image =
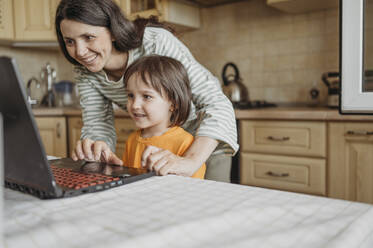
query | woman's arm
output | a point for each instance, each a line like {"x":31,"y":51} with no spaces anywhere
{"x":97,"y":115}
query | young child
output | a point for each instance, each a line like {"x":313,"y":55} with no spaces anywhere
{"x":159,"y":101}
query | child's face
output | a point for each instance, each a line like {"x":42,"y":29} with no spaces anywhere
{"x":150,"y":111}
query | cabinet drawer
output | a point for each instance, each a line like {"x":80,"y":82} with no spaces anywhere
{"x":306,"y":175}
{"x":284,"y":137}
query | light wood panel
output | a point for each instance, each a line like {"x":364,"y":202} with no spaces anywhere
{"x":297,"y":174}
{"x":350,"y":161}
{"x":35,"y":20}
{"x":123,"y":127}
{"x":75,"y":125}
{"x":302,"y":6}
{"x":284,"y":137}
{"x":53,"y":134}
{"x":6,"y":20}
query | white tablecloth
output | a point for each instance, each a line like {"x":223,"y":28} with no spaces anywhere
{"x":175,"y":211}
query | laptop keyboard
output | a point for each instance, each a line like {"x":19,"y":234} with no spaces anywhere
{"x":75,"y":180}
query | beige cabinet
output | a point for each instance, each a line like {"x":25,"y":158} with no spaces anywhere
{"x":350,"y":161}
{"x":28,"y":20}
{"x":285,"y":155}
{"x":6,"y":19}
{"x":123,"y":127}
{"x":177,"y":13}
{"x":298,"y":174}
{"x":74,"y":126}
{"x":53,"y":135}
{"x":34,"y":20}
{"x":302,"y":6}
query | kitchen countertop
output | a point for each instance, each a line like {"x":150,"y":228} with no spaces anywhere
{"x":46,"y":112}
{"x":274,"y":113}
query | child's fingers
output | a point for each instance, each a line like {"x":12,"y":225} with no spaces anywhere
{"x":160,"y":156}
{"x":158,"y":165}
{"x":146,"y":155}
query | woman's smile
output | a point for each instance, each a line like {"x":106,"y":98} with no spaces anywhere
{"x":88,"y":60}
{"x":91,"y":46}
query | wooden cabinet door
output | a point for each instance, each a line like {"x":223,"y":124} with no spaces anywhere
{"x":75,"y":125}
{"x":351,"y":161}
{"x":180,"y":15}
{"x":53,"y":134}
{"x":35,"y":20}
{"x":123,"y":127}
{"x":142,"y":8}
{"x":6,"y":19}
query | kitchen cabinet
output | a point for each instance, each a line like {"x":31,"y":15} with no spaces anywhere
{"x":179,"y":14}
{"x":34,"y":20}
{"x":6,"y":20}
{"x":285,"y":155}
{"x":123,"y":127}
{"x":302,"y":6}
{"x":53,"y":135}
{"x":350,"y":161}
{"x":74,"y":126}
{"x":27,"y":20}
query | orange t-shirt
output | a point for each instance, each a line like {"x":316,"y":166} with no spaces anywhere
{"x":176,"y":140}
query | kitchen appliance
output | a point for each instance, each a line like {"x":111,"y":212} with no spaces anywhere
{"x":333,"y":88}
{"x":64,"y":92}
{"x":233,"y":87}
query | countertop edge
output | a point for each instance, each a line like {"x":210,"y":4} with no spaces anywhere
{"x":275,"y":113}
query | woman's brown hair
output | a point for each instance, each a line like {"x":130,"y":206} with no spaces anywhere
{"x":104,"y":13}
{"x":169,"y":78}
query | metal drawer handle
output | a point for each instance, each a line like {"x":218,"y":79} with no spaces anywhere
{"x":274,"y":174}
{"x":359,"y":133}
{"x":278,"y":139}
{"x":58,"y":130}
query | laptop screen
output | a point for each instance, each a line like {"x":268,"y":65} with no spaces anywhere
{"x":1,"y":177}
{"x":25,"y":161}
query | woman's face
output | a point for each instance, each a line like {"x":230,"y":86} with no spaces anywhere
{"x":90,"y":45}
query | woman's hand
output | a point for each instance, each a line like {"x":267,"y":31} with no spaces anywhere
{"x":94,"y":151}
{"x":164,"y":162}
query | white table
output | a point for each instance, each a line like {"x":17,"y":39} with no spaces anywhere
{"x":173,"y":211}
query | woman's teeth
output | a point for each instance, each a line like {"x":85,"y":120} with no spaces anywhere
{"x":89,"y":59}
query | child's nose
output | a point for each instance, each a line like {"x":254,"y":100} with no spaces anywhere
{"x":136,"y":103}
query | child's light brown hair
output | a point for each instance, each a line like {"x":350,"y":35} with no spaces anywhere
{"x":169,"y":78}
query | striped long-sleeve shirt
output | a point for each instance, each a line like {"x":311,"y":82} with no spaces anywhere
{"x":211,"y":114}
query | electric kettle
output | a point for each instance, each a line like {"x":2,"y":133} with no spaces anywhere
{"x":233,"y":87}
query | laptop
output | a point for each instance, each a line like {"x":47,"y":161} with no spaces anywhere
{"x":27,"y":168}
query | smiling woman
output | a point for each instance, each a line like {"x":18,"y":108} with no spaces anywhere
{"x":95,"y":36}
{"x":91,"y":46}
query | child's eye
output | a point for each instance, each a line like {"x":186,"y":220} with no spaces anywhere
{"x":129,"y":95}
{"x":148,"y":97}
